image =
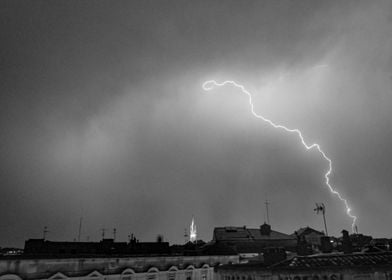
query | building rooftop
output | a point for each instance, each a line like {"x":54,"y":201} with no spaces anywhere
{"x":247,"y":234}
{"x":307,"y":230}
{"x":319,"y":262}
{"x":336,"y":260}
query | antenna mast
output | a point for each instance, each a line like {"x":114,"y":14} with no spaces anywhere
{"x":103,"y":233}
{"x":267,"y":211}
{"x":80,"y":228}
{"x":320,"y":207}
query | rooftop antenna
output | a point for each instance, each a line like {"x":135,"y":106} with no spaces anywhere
{"x":80,"y":228}
{"x":103,"y":230}
{"x":45,"y":231}
{"x":320,"y":207}
{"x":267,"y":211}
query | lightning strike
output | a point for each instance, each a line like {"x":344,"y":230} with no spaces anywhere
{"x":211,"y":84}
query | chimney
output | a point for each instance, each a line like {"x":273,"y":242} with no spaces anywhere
{"x":265,"y":229}
{"x":346,"y":243}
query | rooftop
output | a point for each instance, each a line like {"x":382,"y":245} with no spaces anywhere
{"x":247,"y":234}
{"x":308,"y":230}
{"x":337,"y":260}
{"x":325,"y":261}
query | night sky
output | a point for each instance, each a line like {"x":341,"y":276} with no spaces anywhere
{"x":103,"y":116}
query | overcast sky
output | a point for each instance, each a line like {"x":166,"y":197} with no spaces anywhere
{"x":102,"y":115}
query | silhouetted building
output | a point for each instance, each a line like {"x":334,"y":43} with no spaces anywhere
{"x":47,"y":260}
{"x":311,"y":236}
{"x":104,"y":247}
{"x":327,"y":244}
{"x":273,"y":255}
{"x":303,"y":247}
{"x":346,"y":243}
{"x":253,"y":240}
{"x":10,"y":251}
{"x":381,"y":243}
{"x":360,"y":241}
{"x":199,"y":248}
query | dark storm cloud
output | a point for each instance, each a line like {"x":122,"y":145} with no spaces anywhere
{"x":102,"y":115}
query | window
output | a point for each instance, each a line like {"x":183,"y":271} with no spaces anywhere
{"x":152,"y":273}
{"x":188,"y":275}
{"x":171,"y":275}
{"x":127,"y":274}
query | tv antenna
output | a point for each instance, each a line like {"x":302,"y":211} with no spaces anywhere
{"x":103,"y":230}
{"x":320,"y":208}
{"x":267,"y":211}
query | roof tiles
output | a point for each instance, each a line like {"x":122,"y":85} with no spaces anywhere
{"x":337,"y":261}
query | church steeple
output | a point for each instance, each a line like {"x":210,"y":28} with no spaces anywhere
{"x":193,"y":231}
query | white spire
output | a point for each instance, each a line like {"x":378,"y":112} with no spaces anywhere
{"x":193,"y":231}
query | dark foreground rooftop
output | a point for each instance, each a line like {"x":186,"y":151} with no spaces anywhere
{"x":317,"y":262}
{"x":338,"y":260}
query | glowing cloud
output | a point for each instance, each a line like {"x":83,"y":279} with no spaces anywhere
{"x":211,"y":84}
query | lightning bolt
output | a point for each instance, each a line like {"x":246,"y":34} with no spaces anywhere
{"x":211,"y":84}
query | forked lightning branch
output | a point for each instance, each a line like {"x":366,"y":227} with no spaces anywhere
{"x":211,"y":84}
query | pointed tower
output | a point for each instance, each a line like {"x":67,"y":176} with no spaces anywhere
{"x":193,"y":231}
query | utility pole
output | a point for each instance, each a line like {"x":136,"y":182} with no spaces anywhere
{"x":80,"y":228}
{"x":320,"y":207}
{"x":267,"y":211}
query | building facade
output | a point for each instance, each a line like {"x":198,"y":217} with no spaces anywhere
{"x":114,"y":268}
